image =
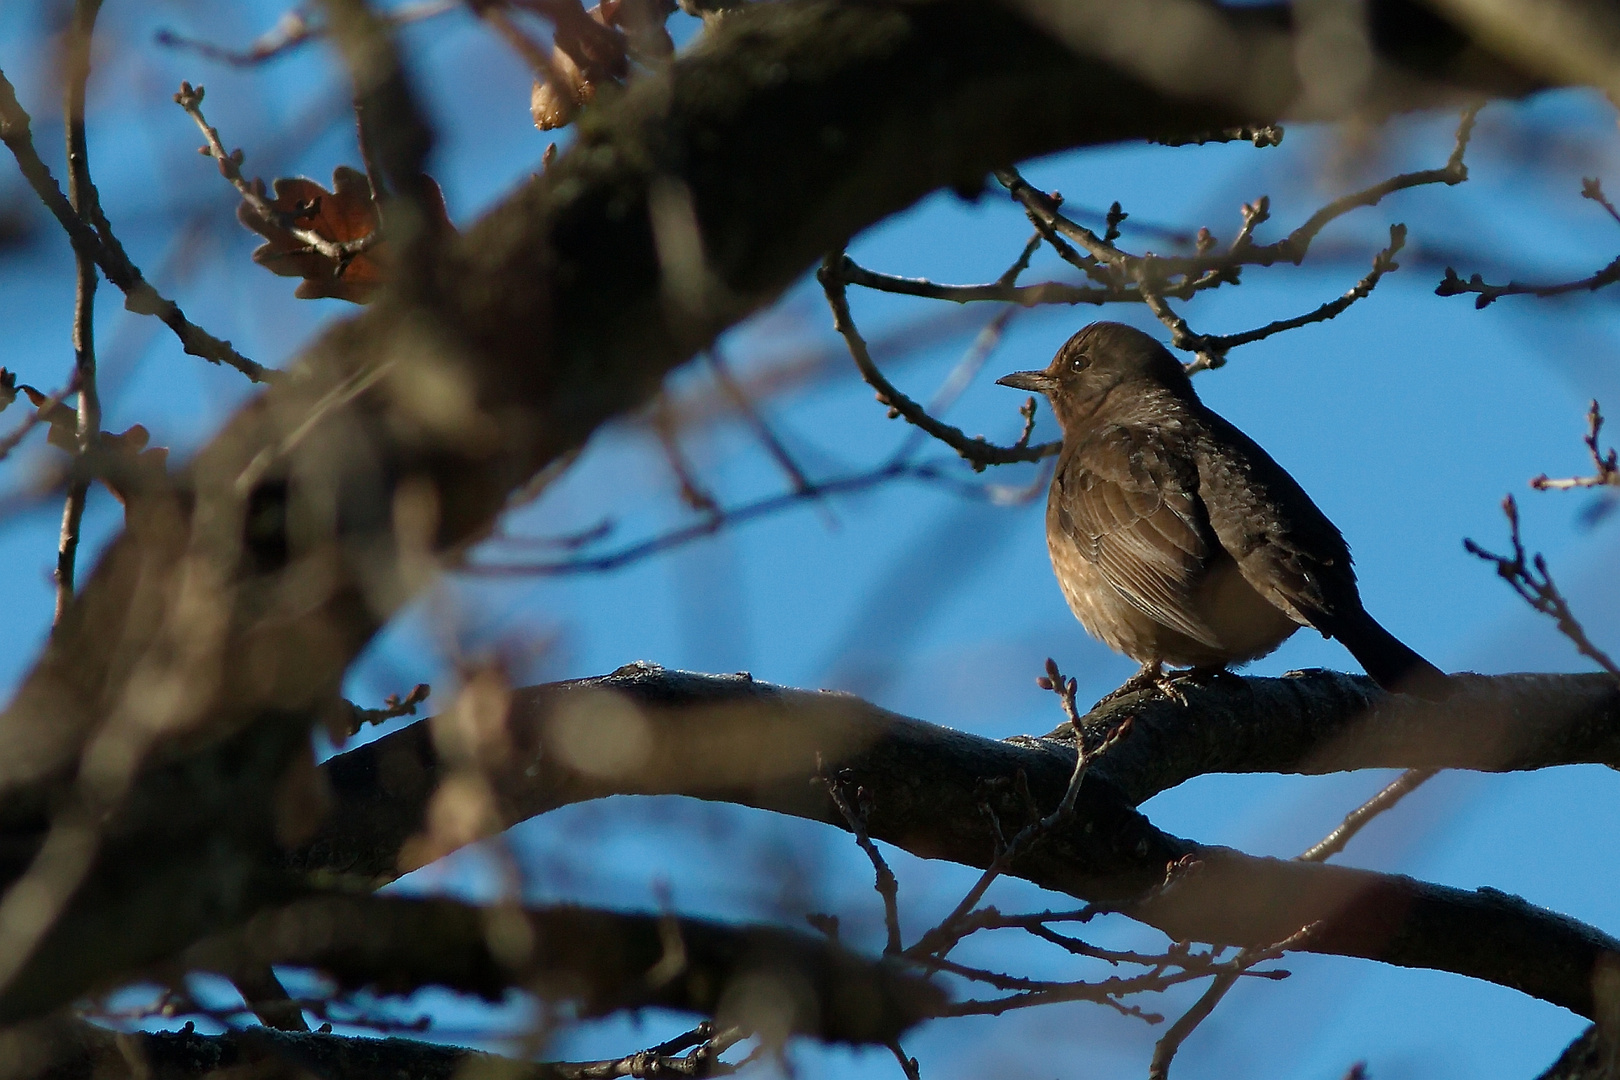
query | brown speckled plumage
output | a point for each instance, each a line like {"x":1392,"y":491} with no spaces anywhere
{"x":1176,"y":538}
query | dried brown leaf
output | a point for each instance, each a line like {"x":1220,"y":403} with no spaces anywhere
{"x":347,"y":214}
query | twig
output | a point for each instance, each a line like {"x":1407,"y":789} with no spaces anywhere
{"x":1212,"y":348}
{"x":139,"y":295}
{"x":957,"y":925}
{"x":908,"y":1065}
{"x":10,"y":442}
{"x":843,"y":485}
{"x":739,"y":397}
{"x":1164,"y":1051}
{"x":295,"y":28}
{"x":1357,"y":819}
{"x":1048,"y":292}
{"x":886,"y":885}
{"x":1608,"y":465}
{"x":693,"y":494}
{"x":1529,"y":578}
{"x":978,"y":451}
{"x":1487,"y":294}
{"x":81,"y":197}
{"x":1154,"y":279}
{"x":536,"y":55}
{"x":1107,"y":990}
{"x":384,"y":97}
{"x":1453,"y":285}
{"x":350,"y":717}
{"x":703,"y":1059}
{"x":190,"y":98}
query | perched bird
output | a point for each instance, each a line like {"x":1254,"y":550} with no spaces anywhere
{"x":1176,"y":539}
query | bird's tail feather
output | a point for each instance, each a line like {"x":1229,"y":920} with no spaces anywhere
{"x":1392,"y":664}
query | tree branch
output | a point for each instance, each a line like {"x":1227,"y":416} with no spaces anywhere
{"x":602,"y":961}
{"x":731,"y":739}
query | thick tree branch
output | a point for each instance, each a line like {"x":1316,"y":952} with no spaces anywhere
{"x":60,"y":1048}
{"x":649,"y":731}
{"x":602,"y":961}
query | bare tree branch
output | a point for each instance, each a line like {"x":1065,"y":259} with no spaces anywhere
{"x":599,"y":960}
{"x":736,"y":740}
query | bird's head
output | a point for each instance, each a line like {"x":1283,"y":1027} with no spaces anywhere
{"x":1099,"y":359}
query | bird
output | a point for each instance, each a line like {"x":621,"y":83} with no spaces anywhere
{"x":1176,"y":539}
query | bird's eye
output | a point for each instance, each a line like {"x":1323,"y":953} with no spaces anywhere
{"x":1079,"y":362}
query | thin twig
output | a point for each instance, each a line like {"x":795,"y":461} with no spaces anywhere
{"x":958,"y":924}
{"x":295,"y":28}
{"x":693,"y":494}
{"x":709,"y":525}
{"x":1608,"y":465}
{"x":739,"y":397}
{"x":1164,"y":1051}
{"x":97,"y":237}
{"x":1357,"y":819}
{"x":1048,"y":292}
{"x":1529,"y":577}
{"x":10,"y":442}
{"x":81,"y":198}
{"x":887,"y":887}
{"x":908,"y":1065}
{"x":1212,"y":348}
{"x":1106,"y":990}
{"x":1486,"y":294}
{"x":1154,"y":279}
{"x":978,"y":451}
{"x":190,"y":98}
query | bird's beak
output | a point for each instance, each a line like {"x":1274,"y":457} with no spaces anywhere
{"x":1038,"y":382}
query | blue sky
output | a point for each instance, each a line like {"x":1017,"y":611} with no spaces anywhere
{"x":1407,"y":419}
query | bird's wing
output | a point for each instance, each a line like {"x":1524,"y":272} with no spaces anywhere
{"x":1284,"y":545}
{"x":1130,"y":503}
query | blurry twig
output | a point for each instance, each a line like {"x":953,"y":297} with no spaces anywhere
{"x":293,"y":29}
{"x":96,"y":236}
{"x":894,"y":469}
{"x":81,"y":197}
{"x":10,"y":442}
{"x":393,"y":706}
{"x":1529,"y":578}
{"x":693,"y":494}
{"x":739,"y":397}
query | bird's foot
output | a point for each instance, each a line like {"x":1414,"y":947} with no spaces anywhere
{"x":1151,"y":677}
{"x":1170,"y":684}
